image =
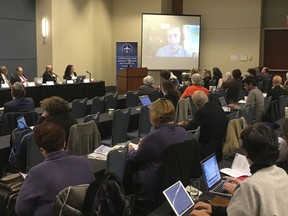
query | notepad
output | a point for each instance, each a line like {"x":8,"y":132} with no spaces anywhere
{"x":240,"y":167}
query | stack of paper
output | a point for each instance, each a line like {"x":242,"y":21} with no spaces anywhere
{"x":100,"y":153}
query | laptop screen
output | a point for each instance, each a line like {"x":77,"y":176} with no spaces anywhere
{"x":145,"y":100}
{"x":178,"y":198}
{"x":21,"y":122}
{"x":210,"y":171}
{"x":80,"y":78}
{"x":222,"y":101}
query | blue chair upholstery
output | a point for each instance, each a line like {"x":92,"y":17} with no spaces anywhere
{"x":110,"y":101}
{"x":79,"y":107}
{"x":34,"y":156}
{"x":132,"y":99}
{"x":283,"y":102}
{"x":98,"y":105}
{"x":94,"y":117}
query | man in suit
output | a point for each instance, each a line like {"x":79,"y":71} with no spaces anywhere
{"x":277,"y":90}
{"x":3,"y":75}
{"x":213,"y":124}
{"x":19,"y":102}
{"x":18,"y":76}
{"x":48,"y":75}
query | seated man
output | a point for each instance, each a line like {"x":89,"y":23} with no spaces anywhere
{"x":18,"y":76}
{"x":58,"y":171}
{"x":48,"y":75}
{"x":3,"y":76}
{"x":213,"y":122}
{"x":20,"y":103}
{"x":277,"y":90}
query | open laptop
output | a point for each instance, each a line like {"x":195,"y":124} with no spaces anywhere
{"x":178,"y":198}
{"x":21,"y":122}
{"x":212,"y":176}
{"x":145,"y":100}
{"x":80,"y":79}
{"x":223,"y":104}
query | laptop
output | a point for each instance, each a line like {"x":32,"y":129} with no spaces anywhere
{"x":223,"y":104}
{"x":80,"y":79}
{"x":178,"y":198}
{"x":145,"y":100}
{"x":38,"y":80}
{"x":212,"y":176}
{"x":21,"y":122}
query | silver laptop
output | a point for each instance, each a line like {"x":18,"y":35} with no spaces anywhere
{"x":212,"y":176}
{"x":38,"y":80}
{"x":80,"y":78}
{"x":223,"y":104}
{"x":178,"y":198}
{"x":145,"y":100}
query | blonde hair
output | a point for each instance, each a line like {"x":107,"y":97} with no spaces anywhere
{"x":162,"y":111}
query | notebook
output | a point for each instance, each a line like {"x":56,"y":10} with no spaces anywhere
{"x":145,"y":100}
{"x":80,"y":79}
{"x":212,"y":176}
{"x":178,"y":198}
{"x":21,"y":122}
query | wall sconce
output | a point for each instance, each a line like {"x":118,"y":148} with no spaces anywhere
{"x":45,"y":29}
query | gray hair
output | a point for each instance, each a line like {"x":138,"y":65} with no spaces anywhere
{"x":196,"y":79}
{"x":148,"y":80}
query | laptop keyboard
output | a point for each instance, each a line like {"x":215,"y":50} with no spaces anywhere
{"x":219,"y":188}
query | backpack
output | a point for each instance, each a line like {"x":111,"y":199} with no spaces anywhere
{"x":106,"y":198}
{"x":18,"y":154}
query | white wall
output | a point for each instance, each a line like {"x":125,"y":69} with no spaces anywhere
{"x":229,"y":27}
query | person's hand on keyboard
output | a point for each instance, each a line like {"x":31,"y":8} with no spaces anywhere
{"x":201,"y":209}
{"x":230,"y":184}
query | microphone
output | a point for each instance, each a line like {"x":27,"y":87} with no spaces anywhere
{"x":88,"y":72}
{"x":54,"y":74}
{"x":12,"y":75}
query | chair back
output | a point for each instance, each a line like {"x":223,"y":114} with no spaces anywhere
{"x":283,"y":102}
{"x":116,"y":162}
{"x":79,"y":108}
{"x":84,"y":138}
{"x":183,"y":110}
{"x":144,"y":121}
{"x":194,"y":134}
{"x":93,"y":117}
{"x":132,"y":99}
{"x":34,"y":156}
{"x":241,"y":94}
{"x":248,"y":113}
{"x":155,"y":95}
{"x":10,"y":120}
{"x":120,"y":125}
{"x":98,"y":105}
{"x":110,"y":101}
{"x":267,"y":101}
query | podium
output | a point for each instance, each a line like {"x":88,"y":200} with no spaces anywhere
{"x":129,"y":79}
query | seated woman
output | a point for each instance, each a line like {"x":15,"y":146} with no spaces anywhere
{"x":58,"y":171}
{"x":170,"y":92}
{"x":69,"y":73}
{"x":56,"y":109}
{"x":147,"y":88}
{"x":265,"y":192}
{"x":148,"y":158}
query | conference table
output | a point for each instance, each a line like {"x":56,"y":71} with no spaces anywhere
{"x":69,"y":92}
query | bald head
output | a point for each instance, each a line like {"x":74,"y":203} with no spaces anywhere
{"x":277,"y":81}
{"x":199,"y":98}
{"x":3,"y":70}
{"x":49,"y":68}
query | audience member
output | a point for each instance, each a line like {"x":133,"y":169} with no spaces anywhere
{"x":18,"y":77}
{"x":69,"y":73}
{"x":56,"y":109}
{"x":233,"y":86}
{"x":196,"y":85}
{"x":252,"y":72}
{"x":277,"y":89}
{"x":19,"y":102}
{"x":262,"y":193}
{"x":49,"y":75}
{"x":212,"y":121}
{"x":58,"y":171}
{"x":147,"y":88}
{"x":264,"y":80}
{"x":217,"y":75}
{"x":206,"y":78}
{"x":283,"y":150}
{"x":170,"y":92}
{"x":255,"y":97}
{"x":149,"y":157}
{"x":3,"y":77}
{"x":174,"y":48}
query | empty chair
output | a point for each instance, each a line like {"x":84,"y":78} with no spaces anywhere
{"x":98,"y":105}
{"x":283,"y":102}
{"x":110,"y":101}
{"x":155,"y":95}
{"x":116,"y":162}
{"x":267,"y":101}
{"x":119,"y":127}
{"x":93,"y":117}
{"x":79,"y":107}
{"x":84,"y":138}
{"x":10,"y":120}
{"x":132,"y":99}
{"x":194,"y":134}
{"x":34,"y":156}
{"x":248,"y":113}
{"x":144,"y":124}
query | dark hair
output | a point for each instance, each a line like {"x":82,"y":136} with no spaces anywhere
{"x":217,"y":74}
{"x":252,"y":71}
{"x":249,"y":80}
{"x":261,"y":144}
{"x":50,"y":136}
{"x":18,"y":90}
{"x":165,"y":74}
{"x":170,"y":88}
{"x":236,"y":74}
{"x":68,"y":70}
